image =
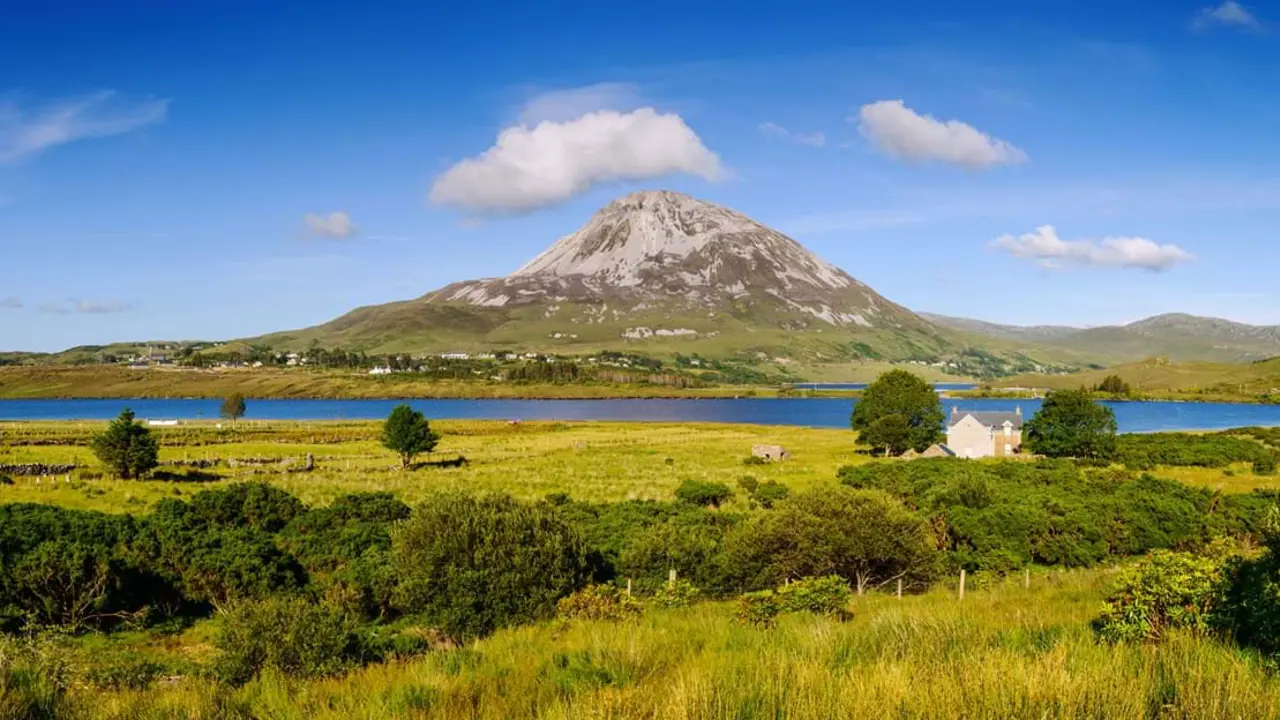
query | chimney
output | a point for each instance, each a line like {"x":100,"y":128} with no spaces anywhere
{"x":1017,"y":410}
{"x":955,"y":410}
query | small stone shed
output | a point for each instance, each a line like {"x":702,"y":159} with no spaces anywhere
{"x":770,"y":452}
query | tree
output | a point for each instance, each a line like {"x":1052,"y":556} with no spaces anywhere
{"x":1071,"y":424}
{"x":407,"y":432}
{"x":1115,"y":385}
{"x":126,"y":447}
{"x":233,"y":407}
{"x":901,"y":393}
{"x":890,"y":432}
{"x":867,"y":537}
{"x":470,"y":565}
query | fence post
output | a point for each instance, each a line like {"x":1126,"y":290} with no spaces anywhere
{"x":899,"y":588}
{"x":962,"y":583}
{"x":628,"y":587}
{"x":671,"y":577}
{"x":1026,"y":583}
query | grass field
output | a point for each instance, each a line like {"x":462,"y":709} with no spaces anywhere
{"x":1005,"y":651}
{"x":592,"y":461}
{"x":1160,"y":379}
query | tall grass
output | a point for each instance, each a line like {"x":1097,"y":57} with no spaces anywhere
{"x":1003,"y":652}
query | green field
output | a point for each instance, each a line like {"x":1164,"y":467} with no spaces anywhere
{"x":1005,"y":651}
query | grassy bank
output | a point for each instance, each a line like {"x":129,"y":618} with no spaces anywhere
{"x":1161,"y":379}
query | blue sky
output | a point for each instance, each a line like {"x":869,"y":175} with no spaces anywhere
{"x":223,"y":169}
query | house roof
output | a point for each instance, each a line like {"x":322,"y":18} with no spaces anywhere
{"x":988,"y":419}
{"x":937,"y":450}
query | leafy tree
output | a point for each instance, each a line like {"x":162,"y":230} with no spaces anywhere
{"x":901,"y":393}
{"x":865,"y":536}
{"x":471,"y":565}
{"x":233,"y":407}
{"x":891,"y":432}
{"x":407,"y":432}
{"x":126,"y":447}
{"x":1071,"y":424}
{"x":1115,"y":385}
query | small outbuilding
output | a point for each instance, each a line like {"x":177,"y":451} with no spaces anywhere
{"x":936,"y":451}
{"x":770,"y":452}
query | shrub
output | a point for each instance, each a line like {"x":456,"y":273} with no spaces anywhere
{"x":829,"y":595}
{"x":471,"y":565}
{"x":690,"y":549}
{"x":749,"y":484}
{"x":771,"y":492}
{"x":866,"y":537}
{"x":676,"y":594}
{"x":706,"y":494}
{"x":1265,"y":465}
{"x":288,"y":634}
{"x":126,"y":447}
{"x":1250,"y":603}
{"x":1164,"y":591}
{"x":754,"y":460}
{"x":5,"y":479}
{"x":598,"y":602}
{"x":1144,"y":451}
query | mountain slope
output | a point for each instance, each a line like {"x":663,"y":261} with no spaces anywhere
{"x":1175,"y":336}
{"x":656,"y":272}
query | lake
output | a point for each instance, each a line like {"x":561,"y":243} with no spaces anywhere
{"x":815,"y":412}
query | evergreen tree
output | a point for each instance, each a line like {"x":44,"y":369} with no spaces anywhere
{"x":126,"y":447}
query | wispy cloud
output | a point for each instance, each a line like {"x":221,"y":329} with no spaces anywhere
{"x":813,"y":139}
{"x":1228,"y":14}
{"x":12,"y":302}
{"x":571,"y":103}
{"x":335,"y":225}
{"x":533,"y":167}
{"x":77,"y":306}
{"x":27,"y":132}
{"x":1046,"y":248}
{"x":900,"y":132}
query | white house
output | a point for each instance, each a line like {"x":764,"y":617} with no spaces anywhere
{"x":984,"y":434}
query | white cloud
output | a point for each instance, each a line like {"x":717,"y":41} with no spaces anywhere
{"x":532,"y":167}
{"x":899,"y":131}
{"x":1045,"y":247}
{"x":86,"y":307}
{"x":1228,"y":14}
{"x":815,"y":139}
{"x":13,"y":302}
{"x":336,"y":225}
{"x":25,"y":133}
{"x":571,"y":103}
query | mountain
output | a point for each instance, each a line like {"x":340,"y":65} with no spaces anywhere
{"x":658,"y":272}
{"x":1175,"y":336}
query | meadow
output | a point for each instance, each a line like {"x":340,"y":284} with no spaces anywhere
{"x":1016,"y":646}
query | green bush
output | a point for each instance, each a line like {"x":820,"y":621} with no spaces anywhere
{"x":1265,"y":465}
{"x":288,"y":634}
{"x":676,"y":594}
{"x":1166,"y":590}
{"x":1070,"y":423}
{"x":470,"y":565}
{"x":770,"y":492}
{"x":865,"y":536}
{"x":1144,"y":451}
{"x":598,"y":602}
{"x":830,"y":595}
{"x":706,"y":494}
{"x":1250,"y":605}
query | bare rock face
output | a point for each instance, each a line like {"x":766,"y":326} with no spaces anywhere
{"x":660,"y":248}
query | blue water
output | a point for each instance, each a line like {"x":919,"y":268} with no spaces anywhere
{"x":940,"y":386}
{"x":815,"y":412}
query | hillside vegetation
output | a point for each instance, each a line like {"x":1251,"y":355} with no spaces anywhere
{"x":1160,"y":378}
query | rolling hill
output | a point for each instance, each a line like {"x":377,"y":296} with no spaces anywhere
{"x":1176,"y":336}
